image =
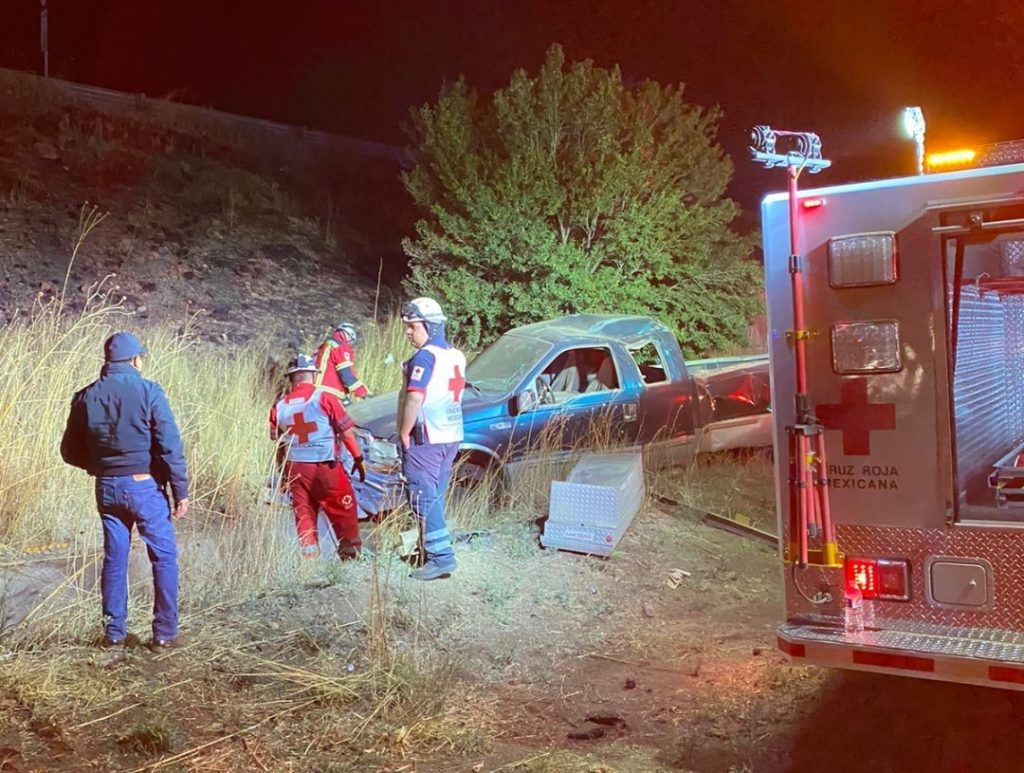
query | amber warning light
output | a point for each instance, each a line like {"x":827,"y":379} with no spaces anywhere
{"x":951,"y":158}
{"x":881,"y":578}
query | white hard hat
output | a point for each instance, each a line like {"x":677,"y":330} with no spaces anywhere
{"x":423,"y":310}
{"x":349,"y":330}
{"x":301,"y":363}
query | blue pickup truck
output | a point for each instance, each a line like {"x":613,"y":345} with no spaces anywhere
{"x":555,"y":382}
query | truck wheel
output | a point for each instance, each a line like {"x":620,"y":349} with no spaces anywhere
{"x":476,"y":473}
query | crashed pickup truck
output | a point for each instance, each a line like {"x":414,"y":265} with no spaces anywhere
{"x":560,"y":384}
{"x":737,"y":391}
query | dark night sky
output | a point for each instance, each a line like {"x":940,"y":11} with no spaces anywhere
{"x":841,"y":68}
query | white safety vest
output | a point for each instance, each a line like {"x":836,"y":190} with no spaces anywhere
{"x":305,"y":430}
{"x":441,"y":413}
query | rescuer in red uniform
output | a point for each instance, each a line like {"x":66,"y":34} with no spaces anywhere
{"x":336,"y":363}
{"x":309,"y":424}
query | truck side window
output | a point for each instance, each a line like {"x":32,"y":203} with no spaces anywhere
{"x":650,"y":362}
{"x":578,"y":371}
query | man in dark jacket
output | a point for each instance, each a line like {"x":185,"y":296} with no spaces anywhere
{"x":121,"y":431}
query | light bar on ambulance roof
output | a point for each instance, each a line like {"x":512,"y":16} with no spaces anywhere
{"x":862,"y":260}
{"x":866,"y":347}
{"x":951,"y":158}
{"x":996,"y":154}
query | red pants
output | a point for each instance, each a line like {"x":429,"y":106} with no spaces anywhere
{"x":315,"y":485}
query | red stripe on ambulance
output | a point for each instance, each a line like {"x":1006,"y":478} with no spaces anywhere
{"x":792,"y":649}
{"x":887,"y":660}
{"x":1006,"y":674}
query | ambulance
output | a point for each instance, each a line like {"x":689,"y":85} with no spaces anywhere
{"x":896,"y":336}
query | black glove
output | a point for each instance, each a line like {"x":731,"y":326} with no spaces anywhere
{"x":358,"y":465}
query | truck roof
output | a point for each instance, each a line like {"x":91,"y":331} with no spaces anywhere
{"x":624,"y":328}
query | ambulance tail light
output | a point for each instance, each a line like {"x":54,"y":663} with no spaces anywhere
{"x":879,"y":578}
{"x":866,"y":347}
{"x":862,"y":260}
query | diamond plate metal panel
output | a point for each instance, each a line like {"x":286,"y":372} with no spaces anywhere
{"x":984,"y":426}
{"x":1012,"y":254}
{"x":1014,"y":344}
{"x":602,"y":490}
{"x":1003,"y":548}
{"x":981,"y":643}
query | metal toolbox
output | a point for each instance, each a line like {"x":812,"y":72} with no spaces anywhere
{"x":593,"y":507}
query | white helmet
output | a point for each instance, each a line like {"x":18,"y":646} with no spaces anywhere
{"x":301,"y":363}
{"x":423,"y":310}
{"x":349,"y":331}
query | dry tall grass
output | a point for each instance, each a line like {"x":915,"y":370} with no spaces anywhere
{"x":233,"y":545}
{"x":367,"y":699}
{"x":232,"y":542}
{"x":380,"y":353}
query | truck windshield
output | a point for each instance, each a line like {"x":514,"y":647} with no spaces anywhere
{"x":502,"y":365}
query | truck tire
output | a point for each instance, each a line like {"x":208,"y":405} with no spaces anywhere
{"x":474,"y":470}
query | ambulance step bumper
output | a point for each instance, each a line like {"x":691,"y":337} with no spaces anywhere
{"x":987,"y":656}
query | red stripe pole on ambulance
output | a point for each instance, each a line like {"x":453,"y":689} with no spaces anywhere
{"x":809,"y":514}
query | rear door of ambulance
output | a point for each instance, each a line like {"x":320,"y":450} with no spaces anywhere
{"x":875,"y":265}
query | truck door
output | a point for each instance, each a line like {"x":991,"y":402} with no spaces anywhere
{"x":666,"y":406}
{"x":582,"y":402}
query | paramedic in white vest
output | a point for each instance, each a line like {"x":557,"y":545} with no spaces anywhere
{"x":309,"y":425}
{"x":430,"y":428}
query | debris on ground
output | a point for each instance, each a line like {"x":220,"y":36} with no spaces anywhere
{"x":740,"y":525}
{"x":675,"y":577}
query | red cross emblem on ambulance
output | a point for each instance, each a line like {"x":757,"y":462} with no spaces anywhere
{"x":856,"y":418}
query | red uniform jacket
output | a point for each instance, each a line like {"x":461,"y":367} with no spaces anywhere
{"x":336,"y":363}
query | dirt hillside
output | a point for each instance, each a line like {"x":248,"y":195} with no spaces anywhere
{"x":240,"y":247}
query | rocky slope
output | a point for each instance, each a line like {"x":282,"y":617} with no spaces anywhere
{"x":193,"y":232}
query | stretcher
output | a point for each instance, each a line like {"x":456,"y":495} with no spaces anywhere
{"x":1007,"y":478}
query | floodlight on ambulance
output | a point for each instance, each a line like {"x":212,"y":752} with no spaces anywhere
{"x":866,"y":347}
{"x":951,"y":159}
{"x":862,"y":260}
{"x":914,"y":127}
{"x":913,"y":122}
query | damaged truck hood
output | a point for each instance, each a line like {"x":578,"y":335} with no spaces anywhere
{"x":377,"y":414}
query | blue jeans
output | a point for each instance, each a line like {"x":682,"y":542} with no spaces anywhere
{"x":427,"y":469}
{"x":124,"y":502}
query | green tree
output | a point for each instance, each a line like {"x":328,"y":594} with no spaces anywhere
{"x":573,"y":192}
